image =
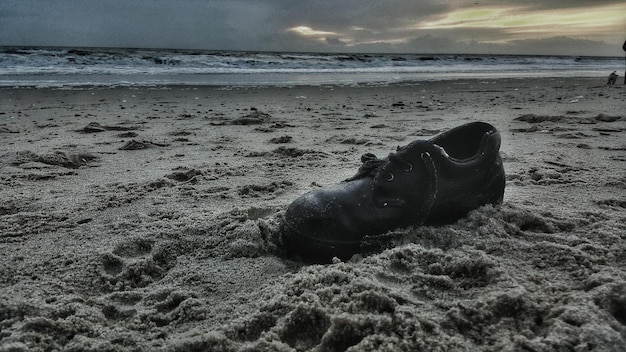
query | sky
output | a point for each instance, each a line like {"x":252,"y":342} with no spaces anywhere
{"x":545,"y":27}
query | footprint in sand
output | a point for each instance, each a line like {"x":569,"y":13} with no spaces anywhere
{"x":133,"y":249}
{"x":134,"y":264}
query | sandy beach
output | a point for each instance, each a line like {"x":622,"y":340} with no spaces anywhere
{"x":146,"y":219}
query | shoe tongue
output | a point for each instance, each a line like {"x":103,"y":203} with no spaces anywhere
{"x":370,"y":166}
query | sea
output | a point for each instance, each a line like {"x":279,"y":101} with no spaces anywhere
{"x":44,"y":67}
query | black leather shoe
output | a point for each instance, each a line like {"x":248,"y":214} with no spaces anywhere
{"x":430,"y":182}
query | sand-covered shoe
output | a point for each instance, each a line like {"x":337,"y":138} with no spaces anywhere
{"x":436,"y":181}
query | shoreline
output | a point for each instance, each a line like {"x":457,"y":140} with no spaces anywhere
{"x":157,"y":227}
{"x":275,"y":80}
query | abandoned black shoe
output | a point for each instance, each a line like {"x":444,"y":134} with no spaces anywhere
{"x":436,"y":181}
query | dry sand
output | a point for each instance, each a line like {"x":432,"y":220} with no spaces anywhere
{"x":146,"y":219}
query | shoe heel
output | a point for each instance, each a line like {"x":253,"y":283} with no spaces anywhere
{"x":493,"y":190}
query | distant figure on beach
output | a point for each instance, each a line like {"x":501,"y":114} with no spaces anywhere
{"x":612,"y":78}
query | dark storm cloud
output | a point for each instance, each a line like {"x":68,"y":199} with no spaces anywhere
{"x":196,"y":23}
{"x":331,"y":25}
{"x":133,"y":23}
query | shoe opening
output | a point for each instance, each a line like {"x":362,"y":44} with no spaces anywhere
{"x":464,"y":142}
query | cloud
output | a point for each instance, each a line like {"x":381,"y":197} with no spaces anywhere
{"x":335,"y":41}
{"x":310,"y":32}
{"x":515,"y":22}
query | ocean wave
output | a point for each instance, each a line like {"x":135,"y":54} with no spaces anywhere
{"x":148,"y":63}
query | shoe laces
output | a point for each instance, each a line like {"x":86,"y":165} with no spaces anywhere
{"x":372,"y":165}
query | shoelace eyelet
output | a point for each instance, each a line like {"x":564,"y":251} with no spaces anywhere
{"x":410,"y":168}
{"x":389,"y":177}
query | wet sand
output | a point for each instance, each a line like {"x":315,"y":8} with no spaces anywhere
{"x":141,"y":219}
